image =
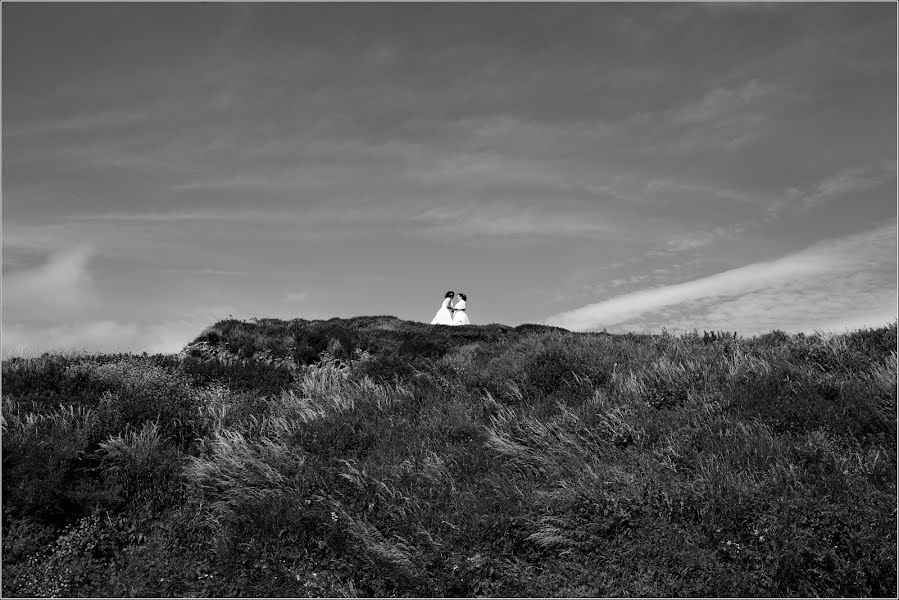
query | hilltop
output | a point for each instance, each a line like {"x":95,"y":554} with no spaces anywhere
{"x":374,"y":456}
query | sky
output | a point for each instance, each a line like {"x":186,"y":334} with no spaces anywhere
{"x":617,"y":166}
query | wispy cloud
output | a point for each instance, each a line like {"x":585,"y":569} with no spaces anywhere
{"x":256,"y":216}
{"x":724,"y":118}
{"x":24,"y":340}
{"x":694,"y":240}
{"x":509,"y":221}
{"x":672,"y":189}
{"x":101,"y":336}
{"x":842,"y":183}
{"x":207,"y":271}
{"x":295,"y":297}
{"x":314,"y":221}
{"x":79,"y":123}
{"x":846,"y":182}
{"x":799,"y":282}
{"x":718,"y":103}
{"x":60,"y":286}
{"x":839,"y":301}
{"x":17,"y":235}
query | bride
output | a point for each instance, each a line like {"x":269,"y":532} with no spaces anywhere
{"x":460,"y":317}
{"x":444,"y":316}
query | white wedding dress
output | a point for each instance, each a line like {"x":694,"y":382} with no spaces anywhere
{"x":460,"y":317}
{"x":444,"y":316}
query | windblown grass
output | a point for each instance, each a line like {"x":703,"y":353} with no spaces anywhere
{"x":375,"y":457}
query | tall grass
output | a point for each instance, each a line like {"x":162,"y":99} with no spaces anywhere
{"x":374,"y":457}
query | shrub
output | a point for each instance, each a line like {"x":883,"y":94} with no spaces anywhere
{"x":250,"y":376}
{"x":558,"y":369}
{"x":210,"y":335}
{"x":422,"y":345}
{"x":76,"y":564}
{"x":145,"y":393}
{"x":43,"y":454}
{"x":141,"y":465}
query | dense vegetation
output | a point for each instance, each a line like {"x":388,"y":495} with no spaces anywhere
{"x":377,"y":457}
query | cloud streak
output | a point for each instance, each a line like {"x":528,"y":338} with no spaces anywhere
{"x":719,"y":103}
{"x":821,"y":273}
{"x":101,"y":336}
{"x":508,"y":221}
{"x":295,"y":297}
{"x":847,"y":182}
{"x":843,"y":183}
{"x":239,"y":216}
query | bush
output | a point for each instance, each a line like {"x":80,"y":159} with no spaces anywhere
{"x":559,"y":369}
{"x":142,"y":465}
{"x":257,"y":377}
{"x":422,"y":345}
{"x":46,"y":460}
{"x":76,"y":564}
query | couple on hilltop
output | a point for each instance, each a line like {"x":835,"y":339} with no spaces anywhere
{"x":452,"y":314}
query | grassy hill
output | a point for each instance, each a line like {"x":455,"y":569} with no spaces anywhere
{"x":376,"y":457}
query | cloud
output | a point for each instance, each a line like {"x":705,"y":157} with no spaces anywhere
{"x":841,"y":183}
{"x":505,"y":221}
{"x":839,"y":302}
{"x":681,"y":191}
{"x":108,"y":336}
{"x":164,"y":337}
{"x":82,"y":122}
{"x":32,"y":237}
{"x":62,"y":285}
{"x":295,"y":297}
{"x":847,"y":278}
{"x":845,"y":182}
{"x":695,"y":239}
{"x":255,"y":216}
{"x":722,"y":118}
{"x":50,"y":236}
{"x":718,"y":103}
{"x":207,"y":271}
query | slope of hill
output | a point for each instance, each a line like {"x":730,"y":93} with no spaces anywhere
{"x":376,"y":457}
